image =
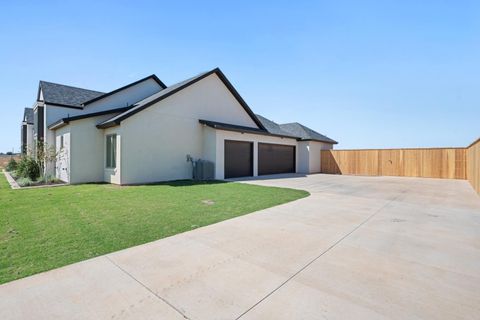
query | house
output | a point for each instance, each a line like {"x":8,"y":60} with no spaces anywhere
{"x":142,"y":133}
{"x":27,"y":131}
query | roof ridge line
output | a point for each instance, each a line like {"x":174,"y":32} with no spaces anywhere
{"x":66,"y":85}
{"x":129,"y":85}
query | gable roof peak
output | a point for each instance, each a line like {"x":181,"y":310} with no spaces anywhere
{"x":64,"y":85}
{"x":173,"y":89}
{"x":152,"y":76}
{"x":64,"y":95}
{"x":28,"y":115}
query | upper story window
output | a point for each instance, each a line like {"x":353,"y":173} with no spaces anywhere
{"x":39,"y":122}
{"x":111,"y":150}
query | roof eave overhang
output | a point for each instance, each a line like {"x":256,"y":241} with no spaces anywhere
{"x":217,"y":126}
{"x":108,"y":125}
{"x":58,"y":124}
{"x":103,"y":96}
{"x":60,"y":105}
{"x":318,"y":140}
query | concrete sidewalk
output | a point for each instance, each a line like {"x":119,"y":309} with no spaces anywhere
{"x":358,"y":247}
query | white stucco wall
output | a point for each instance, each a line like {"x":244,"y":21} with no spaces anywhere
{"x":118,"y":100}
{"x":209,"y":144}
{"x":125,"y":97}
{"x":315,"y":154}
{"x":86,"y":150}
{"x":54,"y":113}
{"x":29,"y":139}
{"x":303,"y":157}
{"x":309,"y":155}
{"x":155,"y":141}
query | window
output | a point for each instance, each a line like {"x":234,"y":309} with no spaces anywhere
{"x":111,"y":151}
{"x":61,"y":142}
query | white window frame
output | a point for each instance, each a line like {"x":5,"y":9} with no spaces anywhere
{"x":112,"y":164}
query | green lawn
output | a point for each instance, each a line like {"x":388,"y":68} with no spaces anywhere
{"x":42,"y":229}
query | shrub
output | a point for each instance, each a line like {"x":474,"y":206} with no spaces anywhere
{"x":28,"y":168}
{"x":12,"y":165}
{"x":25,"y":182}
{"x":32,"y":170}
{"x":22,"y":164}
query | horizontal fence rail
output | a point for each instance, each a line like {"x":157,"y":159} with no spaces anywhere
{"x":445,"y":163}
{"x":448,"y":163}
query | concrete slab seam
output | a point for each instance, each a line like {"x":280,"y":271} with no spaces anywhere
{"x":150,"y":290}
{"x":321,"y":254}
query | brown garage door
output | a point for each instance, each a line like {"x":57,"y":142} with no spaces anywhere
{"x":238,"y":159}
{"x":275,"y":158}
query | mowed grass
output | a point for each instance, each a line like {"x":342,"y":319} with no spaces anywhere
{"x":46,"y":228}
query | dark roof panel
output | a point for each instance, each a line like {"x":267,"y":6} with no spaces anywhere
{"x":305,"y":133}
{"x":64,"y":121}
{"x":63,"y":95}
{"x":28,"y":115}
{"x":242,"y":129}
{"x":153,"y":77}
{"x":273,"y":127}
{"x":296,"y":130}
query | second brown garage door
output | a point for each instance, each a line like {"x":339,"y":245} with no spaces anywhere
{"x":275,"y":158}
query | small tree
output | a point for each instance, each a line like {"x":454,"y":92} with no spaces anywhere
{"x":28,"y":168}
{"x":12,"y":165}
{"x":46,"y":154}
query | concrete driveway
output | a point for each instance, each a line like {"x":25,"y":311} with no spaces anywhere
{"x":357,"y":248}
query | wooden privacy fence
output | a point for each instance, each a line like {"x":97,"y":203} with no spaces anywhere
{"x":431,"y":163}
{"x":446,"y":163}
{"x":5,"y":159}
{"x":473,"y":164}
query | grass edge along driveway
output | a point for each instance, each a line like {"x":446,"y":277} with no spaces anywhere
{"x":46,"y":228}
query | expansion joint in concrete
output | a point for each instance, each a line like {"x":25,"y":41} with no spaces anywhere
{"x":321,"y":254}
{"x":147,"y":288}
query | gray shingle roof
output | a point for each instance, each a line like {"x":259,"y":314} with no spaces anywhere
{"x":295,"y":129}
{"x":305,"y":133}
{"x":28,"y":115}
{"x":153,"y":77}
{"x":273,"y":127}
{"x":66,"y":95}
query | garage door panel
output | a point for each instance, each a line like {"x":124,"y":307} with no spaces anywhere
{"x":238,"y":159}
{"x":275,"y":158}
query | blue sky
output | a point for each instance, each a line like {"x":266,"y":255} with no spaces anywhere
{"x":366,"y":73}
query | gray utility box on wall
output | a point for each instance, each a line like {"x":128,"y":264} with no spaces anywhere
{"x":203,"y":170}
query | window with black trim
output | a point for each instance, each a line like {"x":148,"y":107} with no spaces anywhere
{"x":111,"y":149}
